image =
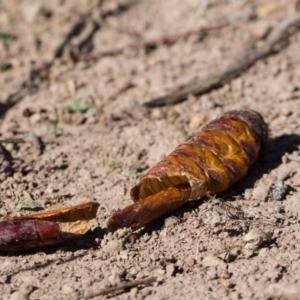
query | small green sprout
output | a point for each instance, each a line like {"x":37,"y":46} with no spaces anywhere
{"x":133,"y":174}
{"x":174,"y":113}
{"x":56,"y":131}
{"x":129,"y":247}
{"x":6,"y":39}
{"x":76,"y":106}
{"x":115,"y":164}
{"x":25,"y":205}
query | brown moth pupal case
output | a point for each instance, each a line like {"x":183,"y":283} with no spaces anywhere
{"x":209,"y":162}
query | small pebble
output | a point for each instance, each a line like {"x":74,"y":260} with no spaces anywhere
{"x":171,"y":222}
{"x":30,"y":11}
{"x":157,"y":114}
{"x":18,"y":176}
{"x":293,"y":157}
{"x":133,"y":292}
{"x":159,"y":272}
{"x":123,"y":254}
{"x":223,"y":273}
{"x":133,"y":271}
{"x":49,"y":190}
{"x":227,"y":284}
{"x":283,"y":291}
{"x":260,"y":193}
{"x":295,"y":180}
{"x":66,"y":289}
{"x":248,"y":194}
{"x":35,"y":118}
{"x":234,"y":295}
{"x":279,"y":190}
{"x":8,"y":193}
{"x":113,"y":246}
{"x":284,"y":159}
{"x":22,"y":294}
{"x":114,"y":278}
{"x":154,"y":256}
{"x":260,"y":30}
{"x":190,"y":261}
{"x":211,"y":272}
{"x":213,"y":261}
{"x":170,"y":269}
{"x":3,"y":279}
{"x":197,"y":120}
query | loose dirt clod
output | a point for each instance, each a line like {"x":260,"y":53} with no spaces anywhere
{"x":254,"y":239}
{"x":113,"y":246}
{"x":170,"y":269}
{"x":23,"y":293}
{"x":260,"y":193}
{"x":213,"y":261}
{"x":286,"y":291}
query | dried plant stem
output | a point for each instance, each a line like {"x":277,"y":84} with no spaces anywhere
{"x":13,"y":141}
{"x":279,"y":40}
{"x":151,"y":43}
{"x":122,"y":286}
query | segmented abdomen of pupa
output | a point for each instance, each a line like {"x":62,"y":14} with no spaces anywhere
{"x":211,"y":160}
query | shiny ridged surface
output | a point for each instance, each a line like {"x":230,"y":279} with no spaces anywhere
{"x":208,"y":163}
{"x":213,"y":159}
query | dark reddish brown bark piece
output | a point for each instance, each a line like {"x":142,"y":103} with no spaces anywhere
{"x":18,"y":235}
{"x":47,"y":228}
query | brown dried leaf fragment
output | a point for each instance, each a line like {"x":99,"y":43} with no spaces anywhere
{"x":206,"y":164}
{"x":148,"y":209}
{"x":76,"y":219}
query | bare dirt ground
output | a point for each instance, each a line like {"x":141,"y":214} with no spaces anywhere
{"x":53,"y":52}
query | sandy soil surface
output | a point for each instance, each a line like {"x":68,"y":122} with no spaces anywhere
{"x":47,"y":60}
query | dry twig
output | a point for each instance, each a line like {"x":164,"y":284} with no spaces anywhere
{"x":124,"y":87}
{"x":43,"y":70}
{"x":12,"y":141}
{"x":152,"y":43}
{"x":279,"y":41}
{"x":30,"y":137}
{"x":121,"y":286}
